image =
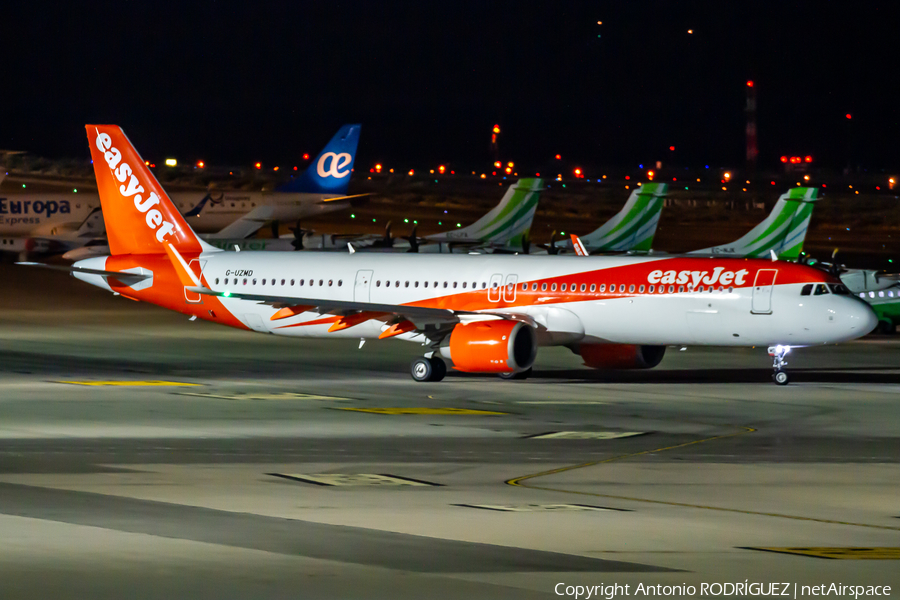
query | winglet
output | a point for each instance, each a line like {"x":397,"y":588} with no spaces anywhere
{"x":579,"y":247}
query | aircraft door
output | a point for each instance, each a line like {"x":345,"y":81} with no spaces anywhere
{"x":509,"y":290}
{"x":196,"y":266}
{"x":762,"y":291}
{"x":362,"y":287}
{"x":495,"y":291}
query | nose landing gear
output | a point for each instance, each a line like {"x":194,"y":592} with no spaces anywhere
{"x":780,"y":376}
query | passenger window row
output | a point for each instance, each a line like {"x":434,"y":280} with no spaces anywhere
{"x":435,"y":284}
{"x":881,"y":294}
{"x":617,"y":288}
{"x":266,"y":281}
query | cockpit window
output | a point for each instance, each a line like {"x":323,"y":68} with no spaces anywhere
{"x":839,"y":289}
{"x":821,"y":288}
{"x":807,"y":289}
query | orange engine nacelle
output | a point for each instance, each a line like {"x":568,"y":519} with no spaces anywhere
{"x":620,"y":356}
{"x":492,"y":347}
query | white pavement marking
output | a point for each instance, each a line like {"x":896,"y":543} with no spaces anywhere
{"x":540,"y":507}
{"x":353,"y":479}
{"x":585,"y":435}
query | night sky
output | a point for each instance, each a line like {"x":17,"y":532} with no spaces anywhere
{"x":237,"y":82}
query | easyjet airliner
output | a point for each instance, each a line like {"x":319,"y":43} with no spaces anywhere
{"x":485,"y":313}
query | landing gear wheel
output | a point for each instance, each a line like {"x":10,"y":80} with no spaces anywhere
{"x":778,"y":353}
{"x":520,"y":375}
{"x":428,"y":369}
{"x":439,"y":368}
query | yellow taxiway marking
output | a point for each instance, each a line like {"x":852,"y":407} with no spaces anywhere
{"x":851,"y":553}
{"x":133,"y":383}
{"x":520,"y":482}
{"x":261,"y":396}
{"x":424,"y":411}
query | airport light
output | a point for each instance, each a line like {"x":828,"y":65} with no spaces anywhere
{"x":807,"y":159}
{"x":749,"y":83}
{"x":672,"y":148}
{"x":508,"y":170}
{"x":806,"y":177}
{"x":538,"y":175}
{"x":690,"y":31}
{"x":558,"y":157}
{"x":441,"y":169}
{"x":411,"y":172}
{"x":378,"y":167}
{"x":275,"y":169}
{"x":75,"y":191}
{"x":431,"y":171}
{"x":628,"y":177}
{"x":257,"y":165}
{"x":650,"y":174}
{"x":147,"y":163}
{"x":200,"y":164}
{"x":510,"y":164}
{"x":171,"y":162}
{"x":577,"y":172}
{"x":849,"y":116}
{"x":295,"y":168}
{"x":483,"y":176}
{"x":497,"y":164}
{"x":496,"y":129}
{"x":305,"y":156}
{"x":727,"y":175}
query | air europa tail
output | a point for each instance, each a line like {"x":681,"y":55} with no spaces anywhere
{"x":140,"y":218}
{"x":329,"y":173}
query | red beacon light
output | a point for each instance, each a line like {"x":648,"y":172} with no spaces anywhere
{"x":305,"y":156}
{"x":807,"y":159}
{"x":784,"y":159}
{"x":749,"y":83}
{"x":558,"y":157}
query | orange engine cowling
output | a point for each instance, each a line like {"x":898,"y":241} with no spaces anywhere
{"x":620,"y":356}
{"x":492,"y":347}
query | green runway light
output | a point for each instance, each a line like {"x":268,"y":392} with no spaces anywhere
{"x":352,"y":216}
{"x":459,"y":225}
{"x":415,"y":222}
{"x":23,"y":185}
{"x":75,"y":190}
{"x":406,"y":220}
{"x":373,"y":220}
{"x":439,"y":223}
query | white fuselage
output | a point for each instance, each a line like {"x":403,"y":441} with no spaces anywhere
{"x":737,"y":313}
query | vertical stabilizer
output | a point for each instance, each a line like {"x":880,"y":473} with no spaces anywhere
{"x":330,"y":172}
{"x":140,"y":218}
{"x":782,"y":232}
{"x":507,"y":222}
{"x":633,"y":227}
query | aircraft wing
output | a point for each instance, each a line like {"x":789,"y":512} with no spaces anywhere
{"x":354,"y":313}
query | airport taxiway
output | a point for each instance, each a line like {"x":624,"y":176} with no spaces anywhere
{"x":148,"y":456}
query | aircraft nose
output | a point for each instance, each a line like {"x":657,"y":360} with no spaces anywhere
{"x":861,"y":318}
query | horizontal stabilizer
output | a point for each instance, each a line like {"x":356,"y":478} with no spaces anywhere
{"x":127,"y":279}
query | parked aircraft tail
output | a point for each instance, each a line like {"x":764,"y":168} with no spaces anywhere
{"x":330,"y":172}
{"x":506,"y":223}
{"x":782,"y":232}
{"x":633,"y":227}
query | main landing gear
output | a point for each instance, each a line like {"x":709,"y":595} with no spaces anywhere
{"x":428,"y":368}
{"x":780,"y":376}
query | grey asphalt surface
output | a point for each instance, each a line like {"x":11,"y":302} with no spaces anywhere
{"x":155,"y":491}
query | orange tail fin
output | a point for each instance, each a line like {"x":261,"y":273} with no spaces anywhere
{"x":140,"y":218}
